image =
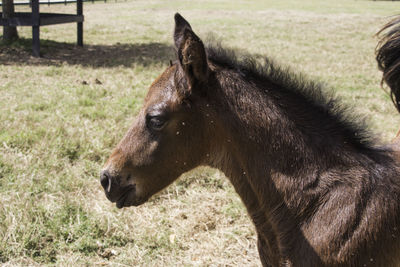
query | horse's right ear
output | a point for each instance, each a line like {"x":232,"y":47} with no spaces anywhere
{"x":190,"y":51}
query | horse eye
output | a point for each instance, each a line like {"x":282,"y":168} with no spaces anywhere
{"x":156,"y":122}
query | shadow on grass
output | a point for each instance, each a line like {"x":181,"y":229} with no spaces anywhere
{"x":96,"y":56}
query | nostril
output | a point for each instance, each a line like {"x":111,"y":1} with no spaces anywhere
{"x":105,"y":180}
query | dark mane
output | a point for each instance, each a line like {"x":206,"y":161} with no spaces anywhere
{"x":312,"y":94}
{"x":388,"y":58}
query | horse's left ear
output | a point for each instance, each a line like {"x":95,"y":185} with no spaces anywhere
{"x":191,"y":52}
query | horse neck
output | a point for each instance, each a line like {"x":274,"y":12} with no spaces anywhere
{"x":263,"y":152}
{"x":283,"y":174}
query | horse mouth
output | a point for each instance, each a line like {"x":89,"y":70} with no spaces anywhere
{"x":121,"y":201}
{"x":129,"y":198}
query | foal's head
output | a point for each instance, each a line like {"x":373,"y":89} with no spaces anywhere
{"x":170,"y":135}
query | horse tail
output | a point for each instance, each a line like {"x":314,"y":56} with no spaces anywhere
{"x":388,"y":58}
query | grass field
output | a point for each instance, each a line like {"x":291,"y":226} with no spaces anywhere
{"x":61,"y":115}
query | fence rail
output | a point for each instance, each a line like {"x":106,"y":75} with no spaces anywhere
{"x":51,"y":2}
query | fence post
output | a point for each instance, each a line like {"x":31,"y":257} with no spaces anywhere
{"x":35,"y":28}
{"x":79,"y":12}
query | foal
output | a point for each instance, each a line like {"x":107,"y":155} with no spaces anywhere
{"x":319,"y":192}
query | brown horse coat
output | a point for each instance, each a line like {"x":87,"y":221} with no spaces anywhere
{"x":319,"y":191}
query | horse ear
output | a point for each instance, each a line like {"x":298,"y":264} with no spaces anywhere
{"x":191,"y":52}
